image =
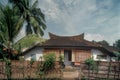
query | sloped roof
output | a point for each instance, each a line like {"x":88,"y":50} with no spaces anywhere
{"x":60,"y":41}
{"x":78,"y":41}
{"x":112,"y":49}
{"x":74,"y":41}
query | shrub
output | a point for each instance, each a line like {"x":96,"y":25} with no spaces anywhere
{"x":8,"y":68}
{"x":84,"y":78}
{"x":49,"y":62}
{"x":31,"y":62}
{"x":90,"y":63}
{"x":61,"y":57}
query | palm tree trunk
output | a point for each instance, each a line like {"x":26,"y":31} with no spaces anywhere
{"x":9,"y":50}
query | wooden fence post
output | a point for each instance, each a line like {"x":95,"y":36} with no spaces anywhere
{"x":109,"y":68}
{"x":97,"y":70}
{"x":119,"y":69}
{"x":115,"y":71}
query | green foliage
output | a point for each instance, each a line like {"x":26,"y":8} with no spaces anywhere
{"x":33,"y":16}
{"x":61,"y":57}
{"x":117,"y":43}
{"x":28,"y":41}
{"x":9,"y":27}
{"x":103,"y":42}
{"x":9,"y":24}
{"x":117,"y":55}
{"x":8,"y":68}
{"x":40,"y":73}
{"x":32,"y":61}
{"x":49,"y":62}
{"x":90,"y":63}
{"x":1,"y":60}
{"x":84,"y":78}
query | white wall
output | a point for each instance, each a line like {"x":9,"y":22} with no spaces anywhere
{"x":38,"y":51}
{"x":96,"y":52}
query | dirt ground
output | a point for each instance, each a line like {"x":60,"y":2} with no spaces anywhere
{"x":71,"y":75}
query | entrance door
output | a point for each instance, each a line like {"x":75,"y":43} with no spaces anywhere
{"x":67,"y":57}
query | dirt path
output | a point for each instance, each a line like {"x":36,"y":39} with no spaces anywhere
{"x":71,"y":75}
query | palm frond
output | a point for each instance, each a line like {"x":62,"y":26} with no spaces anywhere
{"x":8,"y":21}
{"x":41,"y":31}
{"x":38,"y":13}
{"x":34,"y":4}
{"x":28,"y":29}
{"x":18,"y":25}
{"x":28,"y":11}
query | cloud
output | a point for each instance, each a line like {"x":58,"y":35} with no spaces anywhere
{"x":98,"y":18}
{"x":96,"y":37}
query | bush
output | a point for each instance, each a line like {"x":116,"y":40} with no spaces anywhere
{"x":49,"y":62}
{"x":84,"y":78}
{"x":32,"y":61}
{"x":8,"y":68}
{"x":90,"y":63}
{"x":61,"y":57}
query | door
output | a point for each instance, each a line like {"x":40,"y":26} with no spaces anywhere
{"x":67,"y":57}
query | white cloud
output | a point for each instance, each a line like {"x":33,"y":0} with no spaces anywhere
{"x":99,"y":18}
{"x":96,"y":37}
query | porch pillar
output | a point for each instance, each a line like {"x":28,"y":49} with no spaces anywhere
{"x":73,"y":56}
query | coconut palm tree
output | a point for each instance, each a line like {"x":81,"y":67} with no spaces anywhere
{"x":10,"y":25}
{"x":32,"y":15}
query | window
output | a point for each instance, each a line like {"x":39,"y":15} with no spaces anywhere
{"x":33,"y":56}
{"x":101,"y":56}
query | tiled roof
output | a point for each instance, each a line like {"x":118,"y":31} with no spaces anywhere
{"x":68,"y":41}
{"x":112,"y":49}
{"x":78,"y":41}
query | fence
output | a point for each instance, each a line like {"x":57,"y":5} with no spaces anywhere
{"x":102,"y":70}
{"x":22,"y":70}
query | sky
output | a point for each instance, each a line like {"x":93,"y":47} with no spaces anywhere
{"x":98,"y":19}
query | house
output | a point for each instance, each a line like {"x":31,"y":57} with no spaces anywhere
{"x":75,"y":49}
{"x":30,"y":47}
{"x":34,"y":52}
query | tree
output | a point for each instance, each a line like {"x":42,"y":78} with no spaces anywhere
{"x":103,"y":42}
{"x":117,"y":43}
{"x":33,"y":16}
{"x":10,"y":25}
{"x":28,"y":41}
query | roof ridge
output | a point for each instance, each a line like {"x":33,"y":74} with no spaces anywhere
{"x":54,"y":36}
